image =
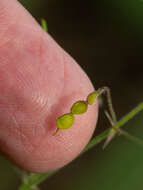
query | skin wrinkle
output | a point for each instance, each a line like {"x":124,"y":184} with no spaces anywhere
{"x":21,"y":134}
{"x":63,"y":88}
{"x":64,"y":139}
{"x":5,"y":41}
{"x":35,"y":99}
{"x":19,"y":137}
{"x":18,"y":145}
{"x":42,"y":106}
{"x":7,"y":25}
{"x":40,"y":55}
{"x":61,"y":93}
{"x":46,"y":104}
{"x":40,"y":100}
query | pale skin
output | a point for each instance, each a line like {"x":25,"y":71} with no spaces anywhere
{"x":39,"y":82}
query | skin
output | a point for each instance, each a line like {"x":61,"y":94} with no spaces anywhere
{"x":39,"y":82}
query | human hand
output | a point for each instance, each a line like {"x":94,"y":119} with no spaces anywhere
{"x":39,"y":81}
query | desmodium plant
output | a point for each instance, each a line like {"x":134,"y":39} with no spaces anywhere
{"x":32,"y":180}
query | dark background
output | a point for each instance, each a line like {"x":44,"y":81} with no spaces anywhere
{"x":106,"y":39}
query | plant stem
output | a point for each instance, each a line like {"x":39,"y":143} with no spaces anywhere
{"x":110,"y":104}
{"x":132,"y":138}
{"x":44,"y":24}
{"x":35,"y":179}
{"x":113,"y":116}
{"x":122,"y":132}
{"x":119,"y":124}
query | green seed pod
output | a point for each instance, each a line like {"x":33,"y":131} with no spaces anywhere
{"x":79,"y":107}
{"x":65,"y":121}
{"x":91,"y":97}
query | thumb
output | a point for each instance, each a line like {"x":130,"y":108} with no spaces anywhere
{"x":39,"y":81}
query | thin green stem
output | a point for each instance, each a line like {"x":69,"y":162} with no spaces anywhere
{"x":122,"y":132}
{"x":35,"y":179}
{"x":112,"y":113}
{"x":110,"y":104}
{"x":44,"y":24}
{"x":109,"y":101}
{"x":119,"y":124}
{"x":132,"y":138}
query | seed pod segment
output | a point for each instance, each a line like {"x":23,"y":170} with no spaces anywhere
{"x":79,"y":107}
{"x":65,"y":121}
{"x":92,"y":97}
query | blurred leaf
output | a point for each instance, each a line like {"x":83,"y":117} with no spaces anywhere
{"x":44,"y":24}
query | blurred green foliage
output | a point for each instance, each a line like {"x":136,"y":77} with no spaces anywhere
{"x":105,"y":37}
